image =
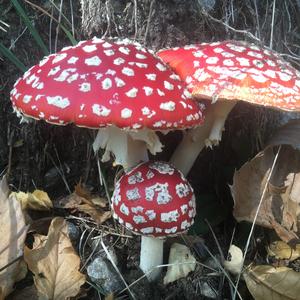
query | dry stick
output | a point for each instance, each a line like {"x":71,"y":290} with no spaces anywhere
{"x":50,"y":30}
{"x":222,"y":269}
{"x":255,"y":218}
{"x":257,"y":19}
{"x":135,"y":19}
{"x":148,"y":21}
{"x":10,"y":263}
{"x":72,"y":18}
{"x":58,"y":25}
{"x":102,"y":180}
{"x":117,"y":269}
{"x":249,"y":34}
{"x":10,"y":145}
{"x":272,"y":25}
{"x":59,"y":10}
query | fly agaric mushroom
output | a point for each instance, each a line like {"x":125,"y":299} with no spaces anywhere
{"x":117,"y":86}
{"x":225,"y":72}
{"x":155,"y":201}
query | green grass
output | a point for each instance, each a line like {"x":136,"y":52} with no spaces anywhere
{"x":9,"y":55}
{"x":29,"y":25}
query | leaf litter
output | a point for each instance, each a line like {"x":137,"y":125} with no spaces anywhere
{"x":54,"y":263}
{"x":13,"y":233}
{"x":280,"y":209}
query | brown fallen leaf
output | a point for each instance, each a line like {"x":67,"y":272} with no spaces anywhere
{"x":83,"y":192}
{"x":54,"y":263}
{"x":38,"y":200}
{"x":99,"y":216}
{"x":267,"y":282}
{"x":85,"y":203}
{"x":281,"y":250}
{"x":280,"y":208}
{"x":12,"y":232}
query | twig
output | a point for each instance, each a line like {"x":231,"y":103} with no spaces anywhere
{"x":135,"y":19}
{"x":58,"y":25}
{"x":148,"y":21}
{"x":117,"y":269}
{"x":10,"y":263}
{"x":257,"y":19}
{"x":102,"y":180}
{"x":245,"y":32}
{"x":272,"y":25}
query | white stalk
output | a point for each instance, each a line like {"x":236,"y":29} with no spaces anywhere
{"x":208,"y":134}
{"x":220,"y":111}
{"x":128,"y":147}
{"x":151,"y":256}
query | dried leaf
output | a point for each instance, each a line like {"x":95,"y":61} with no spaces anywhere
{"x":266,"y":282}
{"x":282,"y":250}
{"x":98,"y":215}
{"x":54,"y":263}
{"x":84,"y":205}
{"x":82,"y":191}
{"x":12,"y":233}
{"x":99,"y":201}
{"x":38,"y":200}
{"x":280,"y":208}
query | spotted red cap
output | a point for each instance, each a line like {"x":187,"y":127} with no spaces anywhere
{"x":99,"y":83}
{"x":235,"y":70}
{"x":154,"y":199}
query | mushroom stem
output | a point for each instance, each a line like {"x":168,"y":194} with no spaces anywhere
{"x":128,"y":147}
{"x":208,"y":134}
{"x":220,"y":111}
{"x":151,"y":256}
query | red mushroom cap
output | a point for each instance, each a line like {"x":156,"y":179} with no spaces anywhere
{"x":99,"y":83}
{"x":235,"y":70}
{"x":154,"y":199}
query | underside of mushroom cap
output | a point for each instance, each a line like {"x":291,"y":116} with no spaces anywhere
{"x":236,"y":70}
{"x":99,"y":83}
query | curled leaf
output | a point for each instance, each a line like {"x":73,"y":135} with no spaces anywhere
{"x":55,"y":264}
{"x":12,"y":232}
{"x":280,"y":207}
{"x":38,"y":200}
{"x":267,"y":282}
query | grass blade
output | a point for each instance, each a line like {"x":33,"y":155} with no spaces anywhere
{"x":8,"y":54}
{"x":31,"y":28}
{"x":69,"y":35}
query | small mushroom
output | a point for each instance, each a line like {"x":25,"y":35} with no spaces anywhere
{"x":155,"y":201}
{"x":224,"y":73}
{"x":116,"y":86}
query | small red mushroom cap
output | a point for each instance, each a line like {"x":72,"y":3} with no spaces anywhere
{"x":235,"y":70}
{"x":154,"y":199}
{"x":98,"y":83}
